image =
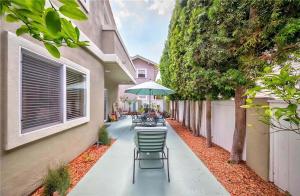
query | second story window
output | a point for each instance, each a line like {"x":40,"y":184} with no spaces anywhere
{"x":141,"y":73}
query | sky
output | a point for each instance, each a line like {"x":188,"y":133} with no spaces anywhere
{"x":143,"y":25}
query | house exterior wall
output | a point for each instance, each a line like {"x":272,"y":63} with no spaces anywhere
{"x":23,"y":167}
{"x":151,"y":74}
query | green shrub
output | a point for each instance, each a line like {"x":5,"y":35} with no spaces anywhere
{"x":103,"y":136}
{"x":57,"y":180}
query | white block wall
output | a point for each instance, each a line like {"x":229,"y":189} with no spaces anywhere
{"x":285,"y":158}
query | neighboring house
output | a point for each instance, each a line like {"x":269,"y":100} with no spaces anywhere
{"x":51,"y":109}
{"x":146,"y":70}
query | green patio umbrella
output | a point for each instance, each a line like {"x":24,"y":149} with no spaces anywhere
{"x":149,"y":88}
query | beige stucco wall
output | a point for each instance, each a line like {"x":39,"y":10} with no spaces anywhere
{"x":112,"y":94}
{"x":257,"y":143}
{"x":23,"y":167}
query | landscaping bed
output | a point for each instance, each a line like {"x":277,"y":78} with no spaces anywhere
{"x":238,"y":179}
{"x":79,"y":166}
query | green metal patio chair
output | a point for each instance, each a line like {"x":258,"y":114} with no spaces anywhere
{"x":136,"y":120}
{"x":150,"y":140}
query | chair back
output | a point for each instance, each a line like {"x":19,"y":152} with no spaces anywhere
{"x":151,"y":140}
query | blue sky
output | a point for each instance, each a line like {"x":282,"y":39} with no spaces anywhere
{"x":143,"y":25}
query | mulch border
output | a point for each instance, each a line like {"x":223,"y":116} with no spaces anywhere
{"x":81,"y":164}
{"x":238,"y":179}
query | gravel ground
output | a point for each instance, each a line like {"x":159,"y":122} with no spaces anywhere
{"x":238,"y":179}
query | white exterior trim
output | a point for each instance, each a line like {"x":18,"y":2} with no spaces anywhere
{"x":14,"y":137}
{"x":144,"y":59}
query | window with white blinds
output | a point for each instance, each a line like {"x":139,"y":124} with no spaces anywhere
{"x":52,"y":93}
{"x":76,"y":94}
{"x":41,"y":92}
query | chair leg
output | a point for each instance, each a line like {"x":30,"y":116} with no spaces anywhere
{"x":168,"y":164}
{"x":163,"y":161}
{"x":133,"y":166}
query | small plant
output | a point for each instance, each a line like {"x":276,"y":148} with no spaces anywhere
{"x":103,"y":136}
{"x":166,"y":114}
{"x":108,"y":118}
{"x":57,"y":180}
{"x":141,"y":110}
{"x":88,"y":158}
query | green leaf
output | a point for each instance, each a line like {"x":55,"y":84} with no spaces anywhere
{"x":69,"y":2}
{"x":83,"y":43}
{"x":249,"y":101}
{"x":38,"y":5}
{"x":246,"y":106}
{"x":268,"y":112}
{"x":21,"y":30}
{"x":71,"y":44}
{"x":52,"y":21}
{"x":52,"y":50}
{"x":11,"y":18}
{"x":22,"y":3}
{"x":72,"y":12}
{"x":292,"y":107}
{"x":267,"y":69}
{"x":77,"y":33}
{"x":68,"y":29}
{"x":278,"y":114}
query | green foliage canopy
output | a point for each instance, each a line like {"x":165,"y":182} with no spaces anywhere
{"x":235,"y":40}
{"x":49,"y":25}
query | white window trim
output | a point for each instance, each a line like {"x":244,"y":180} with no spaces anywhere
{"x":137,"y":73}
{"x":14,"y":137}
{"x":85,"y":5}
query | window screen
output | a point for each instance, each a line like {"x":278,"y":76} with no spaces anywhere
{"x":141,"y":73}
{"x":41,"y":92}
{"x":76,"y":94}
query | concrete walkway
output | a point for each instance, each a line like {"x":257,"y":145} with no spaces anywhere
{"x":112,"y":174}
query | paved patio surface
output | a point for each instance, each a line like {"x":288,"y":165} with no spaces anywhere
{"x":112,"y":174}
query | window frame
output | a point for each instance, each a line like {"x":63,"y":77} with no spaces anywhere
{"x":65,"y":94}
{"x":42,"y":58}
{"x":141,"y":69}
{"x":12,"y":93}
{"x":72,"y":66}
{"x":85,"y":5}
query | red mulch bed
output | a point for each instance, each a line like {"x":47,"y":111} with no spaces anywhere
{"x":81,"y":165}
{"x":238,"y":179}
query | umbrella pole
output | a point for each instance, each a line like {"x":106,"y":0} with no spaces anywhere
{"x":150,"y":99}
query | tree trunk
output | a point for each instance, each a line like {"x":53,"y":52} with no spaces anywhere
{"x":239,"y":135}
{"x":172,"y":110}
{"x":184,"y":115}
{"x":194,"y":119}
{"x":177,"y":110}
{"x":208,"y":123}
{"x":199,"y":118}
{"x":189,"y":115}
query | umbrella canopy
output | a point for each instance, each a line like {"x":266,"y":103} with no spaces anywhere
{"x":149,"y":88}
